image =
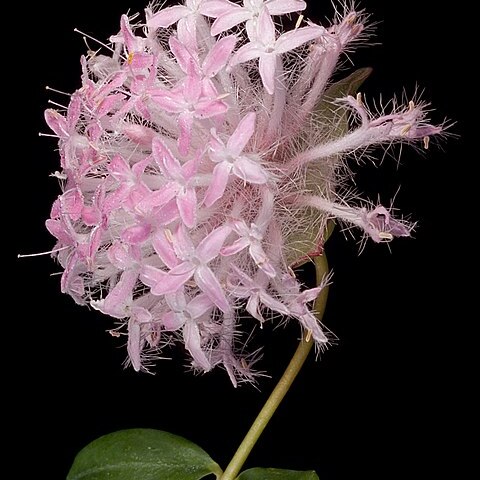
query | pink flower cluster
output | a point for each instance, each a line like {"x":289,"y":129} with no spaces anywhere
{"x":186,"y":171}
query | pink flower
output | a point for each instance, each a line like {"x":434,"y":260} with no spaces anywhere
{"x":229,"y":159}
{"x":188,"y":157}
{"x":229,"y":14}
{"x":268,"y":49}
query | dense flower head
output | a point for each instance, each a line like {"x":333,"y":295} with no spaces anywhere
{"x":195,"y":159}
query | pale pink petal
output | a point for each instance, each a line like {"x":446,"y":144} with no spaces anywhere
{"x":57,"y":229}
{"x":119,"y":168}
{"x":176,"y":301}
{"x":189,"y":169}
{"x":183,"y":244}
{"x":253,"y":306}
{"x":265,"y":29}
{"x":166,"y":214}
{"x":135,"y":344}
{"x":229,"y":20}
{"x":166,"y":17}
{"x":208,"y":283}
{"x":245,"y":53}
{"x":74,"y":109}
{"x":215,"y":8}
{"x":209,"y":92}
{"x":267,"y":67}
{"x":158,"y":198}
{"x":185,"y":123}
{"x":251,"y":30}
{"x":140,"y":314}
{"x":260,"y":258}
{"x":242,"y":134}
{"x":142,"y":109}
{"x":192,"y":339}
{"x":94,"y":243}
{"x":139,"y":62}
{"x":208,"y":108}
{"x":116,"y":80}
{"x":281,"y":7}
{"x":161,"y":282}
{"x":136,"y":196}
{"x":182,"y":54}
{"x":72,"y":203}
{"x":169,"y":100}
{"x":310,"y":323}
{"x":187,"y":31}
{"x":136,"y":234}
{"x":139,"y":133}
{"x":133,"y":43}
{"x":177,"y":277}
{"x":169,"y":165}
{"x":57,"y":123}
{"x":309,"y":295}
{"x":120,"y":297}
{"x":122,"y":256}
{"x":240,"y":227}
{"x":71,"y":282}
{"x":237,"y":246}
{"x":249,"y":171}
{"x":109,"y":104}
{"x":56,"y":210}
{"x":382,"y":227}
{"x":187,"y":206}
{"x":273,"y":304}
{"x":172,"y":321}
{"x":164,"y":249}
{"x":210,"y":246}
{"x":150,"y":275}
{"x":218,"y":55}
{"x":215,"y":190}
{"x":294,"y":38}
{"x":199,"y":305}
{"x":91,"y":215}
{"x":216,"y":147}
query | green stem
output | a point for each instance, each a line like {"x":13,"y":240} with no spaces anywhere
{"x":283,"y":385}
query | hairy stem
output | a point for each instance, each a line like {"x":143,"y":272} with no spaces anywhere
{"x":283,"y":385}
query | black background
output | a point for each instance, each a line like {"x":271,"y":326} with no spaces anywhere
{"x":386,"y":402}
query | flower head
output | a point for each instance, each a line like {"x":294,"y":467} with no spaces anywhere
{"x":188,"y":156}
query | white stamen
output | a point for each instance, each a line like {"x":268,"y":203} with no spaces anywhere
{"x":299,"y":21}
{"x":76,"y":30}
{"x":308,"y":336}
{"x":57,"y":174}
{"x":51,"y":102}
{"x":169,"y":235}
{"x":57,"y":91}
{"x":40,"y":134}
{"x":385,"y":236}
{"x":41,"y":253}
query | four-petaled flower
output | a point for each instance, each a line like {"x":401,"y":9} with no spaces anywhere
{"x":265,"y":46}
{"x":193,"y":262}
{"x":229,"y":159}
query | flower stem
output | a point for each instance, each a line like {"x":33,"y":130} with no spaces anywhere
{"x":283,"y":385}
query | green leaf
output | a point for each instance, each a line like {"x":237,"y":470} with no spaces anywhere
{"x":327,"y":110}
{"x":142,"y":454}
{"x":303,"y":245}
{"x":276,"y":474}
